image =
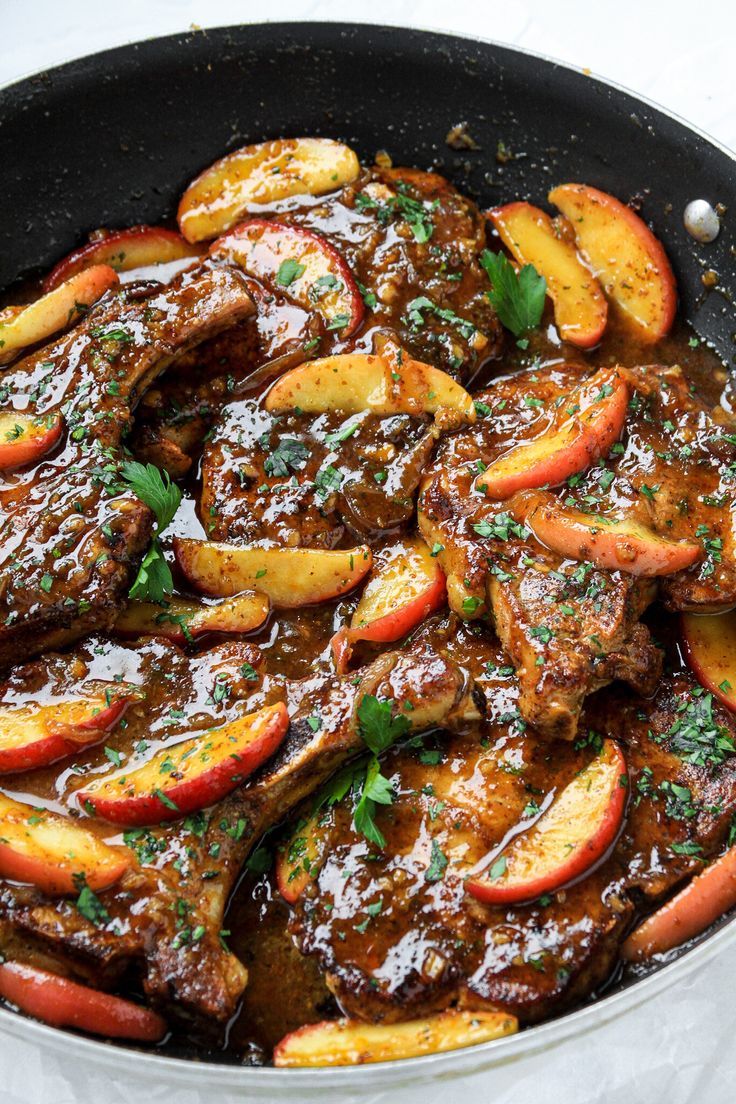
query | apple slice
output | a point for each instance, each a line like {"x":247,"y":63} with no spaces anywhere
{"x":703,"y":901}
{"x":615,"y":545}
{"x":21,"y":327}
{"x":264,"y":173}
{"x":181,"y":621}
{"x":406,"y":584}
{"x":60,"y":1002}
{"x":291,"y":577}
{"x":352,"y":1043}
{"x":354,"y":382}
{"x":123,"y":250}
{"x":600,"y":405}
{"x":581,"y":310}
{"x":35,"y":735}
{"x":299,"y":861}
{"x":300,"y":263}
{"x":573,"y":834}
{"x":709,"y":644}
{"x":25,"y":439}
{"x":624,"y":254}
{"x":51,"y":851}
{"x":191,"y":775}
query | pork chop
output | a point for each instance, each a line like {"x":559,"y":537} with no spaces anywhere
{"x":164,"y":920}
{"x":569,"y":628}
{"x":70,"y":537}
{"x":394,"y":928}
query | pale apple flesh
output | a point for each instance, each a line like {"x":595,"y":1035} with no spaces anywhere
{"x":355,"y":382}
{"x":124,"y":251}
{"x":55,"y":853}
{"x":405,"y":586}
{"x":190,"y":775}
{"x":704,"y":900}
{"x":182,"y":621}
{"x":25,"y":439}
{"x":581,"y":310}
{"x":600,"y":405}
{"x":625,"y":256}
{"x":35,"y":735}
{"x":21,"y":327}
{"x":351,"y":1042}
{"x":709,"y":644}
{"x":615,"y":545}
{"x":570,"y":836}
{"x":263,"y":173}
{"x":290,"y":577}
{"x":61,"y":1002}
{"x":300,"y":264}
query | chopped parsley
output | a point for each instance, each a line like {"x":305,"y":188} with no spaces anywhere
{"x":695,"y":736}
{"x":289,"y":454}
{"x":437,"y":864}
{"x":289,"y":271}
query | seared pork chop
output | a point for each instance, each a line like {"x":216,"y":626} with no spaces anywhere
{"x":395,"y":929}
{"x":675,"y":471}
{"x":164,"y":919}
{"x":297,"y":479}
{"x":568,"y":627}
{"x":70,"y":538}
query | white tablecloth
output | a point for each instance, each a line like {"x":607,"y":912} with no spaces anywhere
{"x":678,"y":1048}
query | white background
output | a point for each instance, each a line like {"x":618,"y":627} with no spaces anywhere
{"x":678,"y":1048}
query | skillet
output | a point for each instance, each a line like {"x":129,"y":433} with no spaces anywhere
{"x":112,"y":139}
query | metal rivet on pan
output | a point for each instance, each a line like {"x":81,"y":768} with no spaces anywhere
{"x":701,"y":221}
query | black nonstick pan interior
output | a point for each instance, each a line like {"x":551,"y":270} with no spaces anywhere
{"x":111,"y":139}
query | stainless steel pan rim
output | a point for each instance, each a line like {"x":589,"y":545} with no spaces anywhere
{"x":317,"y":1082}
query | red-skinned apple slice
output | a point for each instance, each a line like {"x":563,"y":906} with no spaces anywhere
{"x":35,"y":735}
{"x":52,"y":851}
{"x":355,"y":382}
{"x":600,"y":405}
{"x":573,"y":834}
{"x":21,"y":327}
{"x":123,"y":250}
{"x":299,"y":263}
{"x":291,"y":577}
{"x":181,"y":621}
{"x":581,"y":310}
{"x":615,"y":545}
{"x":352,"y":1042}
{"x":625,"y":256}
{"x":60,"y":1002}
{"x":260,"y":174}
{"x":299,"y":861}
{"x":25,"y":439}
{"x":190,"y":775}
{"x":709,"y":644}
{"x":703,"y":901}
{"x":406,"y":584}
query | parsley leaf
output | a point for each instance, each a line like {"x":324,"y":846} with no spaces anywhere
{"x":379,"y":729}
{"x":435,"y":872}
{"x":377,"y":725}
{"x":377,"y":790}
{"x":155,"y":488}
{"x":89,"y":905}
{"x":518,"y":299}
